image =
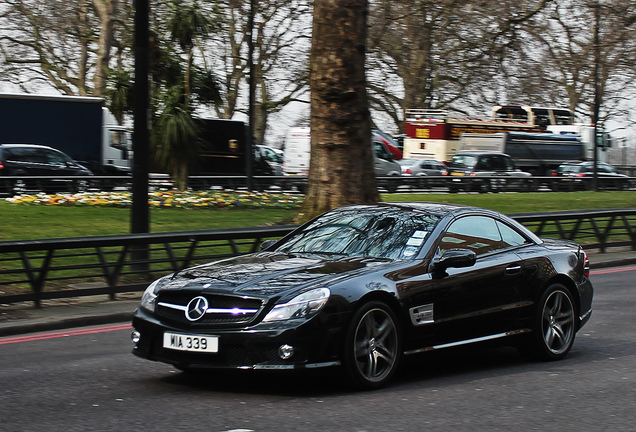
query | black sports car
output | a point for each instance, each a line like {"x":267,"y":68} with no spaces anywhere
{"x":363,"y":285}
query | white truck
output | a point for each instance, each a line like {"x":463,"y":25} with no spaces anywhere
{"x":585,"y":133}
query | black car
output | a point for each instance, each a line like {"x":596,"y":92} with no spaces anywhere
{"x":579,"y":175}
{"x":363,"y":285}
{"x":24,"y":161}
{"x":485,"y":172}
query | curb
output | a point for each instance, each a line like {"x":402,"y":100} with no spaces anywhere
{"x":66,"y":323}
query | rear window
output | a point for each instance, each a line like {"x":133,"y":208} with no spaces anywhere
{"x":570,"y":168}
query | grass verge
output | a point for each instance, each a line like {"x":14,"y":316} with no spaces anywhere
{"x":25,"y":221}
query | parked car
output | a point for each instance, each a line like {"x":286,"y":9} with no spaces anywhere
{"x":498,"y":172}
{"x":415,"y":167}
{"x":364,"y":285}
{"x":579,"y":175}
{"x":23,"y":161}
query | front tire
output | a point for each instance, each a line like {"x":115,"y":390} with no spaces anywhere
{"x":554,"y":326}
{"x":372,"y":346}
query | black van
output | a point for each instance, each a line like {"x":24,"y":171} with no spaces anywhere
{"x":491,"y":171}
{"x":23,"y":161}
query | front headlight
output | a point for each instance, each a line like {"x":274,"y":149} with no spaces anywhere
{"x":301,"y":306}
{"x":149,"y":298}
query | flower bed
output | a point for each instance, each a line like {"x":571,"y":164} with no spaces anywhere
{"x":167,"y":199}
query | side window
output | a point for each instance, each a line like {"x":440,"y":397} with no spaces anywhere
{"x":484,"y":163}
{"x":509,"y":236}
{"x":19,"y":154}
{"x":508,"y":164}
{"x":11,"y":155}
{"x":380,"y":151}
{"x":36,"y":156}
{"x":477,"y":233}
{"x":54,"y":158}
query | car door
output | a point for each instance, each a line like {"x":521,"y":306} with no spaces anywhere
{"x":479,"y":301}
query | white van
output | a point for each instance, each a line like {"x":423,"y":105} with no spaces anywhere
{"x":297,"y":152}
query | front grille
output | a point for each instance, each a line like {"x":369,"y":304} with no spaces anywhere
{"x":221,"y":309}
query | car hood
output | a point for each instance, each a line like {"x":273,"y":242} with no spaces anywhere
{"x":269,"y":274}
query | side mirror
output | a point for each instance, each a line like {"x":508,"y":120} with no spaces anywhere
{"x":267,"y":243}
{"x":453,"y":258}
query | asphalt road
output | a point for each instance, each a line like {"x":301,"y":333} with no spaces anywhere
{"x":85,"y":379}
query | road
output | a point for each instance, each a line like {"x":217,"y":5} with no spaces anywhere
{"x":86,"y":380}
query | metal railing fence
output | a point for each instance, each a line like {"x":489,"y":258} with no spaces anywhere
{"x":297,"y":184}
{"x":36,"y":270}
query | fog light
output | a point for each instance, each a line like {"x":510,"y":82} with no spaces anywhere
{"x":135,"y":336}
{"x":285,"y":352}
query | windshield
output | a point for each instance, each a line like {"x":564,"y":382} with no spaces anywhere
{"x":378,"y":233}
{"x":407,"y":162}
{"x":464,"y":161}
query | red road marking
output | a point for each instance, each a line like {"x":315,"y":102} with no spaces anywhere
{"x":64,"y":333}
{"x":614,"y":270}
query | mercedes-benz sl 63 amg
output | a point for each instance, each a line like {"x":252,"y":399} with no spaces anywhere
{"x":364,"y":285}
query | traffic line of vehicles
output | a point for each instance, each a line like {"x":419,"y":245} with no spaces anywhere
{"x":78,"y":136}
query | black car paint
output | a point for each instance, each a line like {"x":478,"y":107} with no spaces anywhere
{"x":466,"y":305}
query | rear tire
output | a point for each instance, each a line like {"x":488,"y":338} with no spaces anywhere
{"x":373,"y":346}
{"x":554,"y":326}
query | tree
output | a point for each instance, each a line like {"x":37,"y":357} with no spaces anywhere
{"x":281,"y":47}
{"x":174,"y":136}
{"x":440,"y":54}
{"x":59,"y":44}
{"x":564,"y":65}
{"x":341,"y":167}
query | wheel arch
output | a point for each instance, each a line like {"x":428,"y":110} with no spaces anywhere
{"x":388,"y":299}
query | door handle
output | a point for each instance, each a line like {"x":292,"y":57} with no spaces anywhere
{"x":513,"y":269}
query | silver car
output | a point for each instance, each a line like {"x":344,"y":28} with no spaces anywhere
{"x":417,"y":167}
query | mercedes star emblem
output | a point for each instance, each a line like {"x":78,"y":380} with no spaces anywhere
{"x":196,"y":308}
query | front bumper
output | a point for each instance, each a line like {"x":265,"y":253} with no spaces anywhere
{"x":316,"y":343}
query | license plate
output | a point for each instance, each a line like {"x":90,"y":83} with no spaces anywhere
{"x":190,"y":342}
{"x":457,"y":173}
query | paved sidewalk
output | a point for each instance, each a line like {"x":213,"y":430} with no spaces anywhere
{"x":24,"y":318}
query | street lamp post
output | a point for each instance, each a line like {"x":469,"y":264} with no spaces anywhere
{"x":249,"y":147}
{"x":140,"y":213}
{"x":597,"y":92}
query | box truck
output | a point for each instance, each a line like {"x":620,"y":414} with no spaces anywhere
{"x":81,"y":127}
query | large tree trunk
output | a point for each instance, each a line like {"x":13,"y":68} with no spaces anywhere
{"x":341,"y":167}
